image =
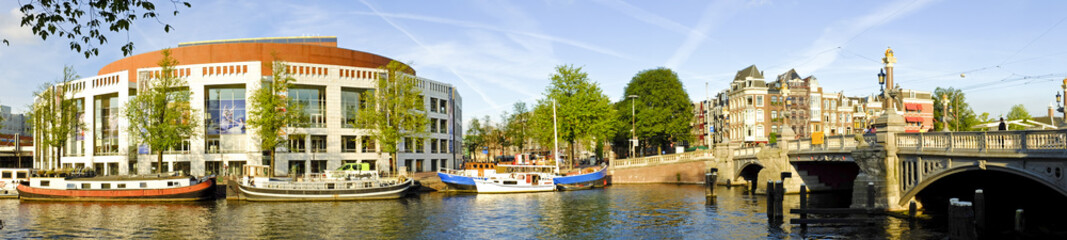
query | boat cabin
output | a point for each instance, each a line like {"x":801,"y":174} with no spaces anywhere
{"x":110,"y":183}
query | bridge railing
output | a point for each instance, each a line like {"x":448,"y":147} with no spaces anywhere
{"x":660,"y":159}
{"x":1030,"y":141}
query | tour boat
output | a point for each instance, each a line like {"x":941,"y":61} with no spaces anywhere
{"x":463,"y":180}
{"x":516,"y":179}
{"x":338,"y":185}
{"x":585,"y":178}
{"x":118,"y":188}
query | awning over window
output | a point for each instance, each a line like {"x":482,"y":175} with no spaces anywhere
{"x":913,"y":119}
{"x":913,"y":107}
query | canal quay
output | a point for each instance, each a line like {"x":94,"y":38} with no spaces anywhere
{"x":638,"y":211}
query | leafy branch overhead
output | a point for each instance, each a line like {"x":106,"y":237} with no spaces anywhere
{"x":83,"y":22}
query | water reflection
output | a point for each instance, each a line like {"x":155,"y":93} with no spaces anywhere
{"x":617,"y":212}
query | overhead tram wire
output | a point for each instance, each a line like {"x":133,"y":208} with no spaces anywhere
{"x":1034,"y":40}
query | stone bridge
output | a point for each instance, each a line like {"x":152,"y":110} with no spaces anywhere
{"x":901,"y":165}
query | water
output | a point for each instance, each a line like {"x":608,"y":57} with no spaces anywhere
{"x":659,"y":211}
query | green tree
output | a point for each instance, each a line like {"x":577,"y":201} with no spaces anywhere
{"x":960,"y":117}
{"x":663,"y":110}
{"x":160,"y":115}
{"x":1018,"y":112}
{"x":583,"y":112}
{"x":517,"y":125}
{"x":473,"y":138}
{"x":395,"y":110}
{"x":83,"y":22}
{"x":271,"y":112}
{"x":55,"y":115}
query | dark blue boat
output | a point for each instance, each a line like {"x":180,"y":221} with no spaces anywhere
{"x":583,"y":180}
{"x":457,"y":182}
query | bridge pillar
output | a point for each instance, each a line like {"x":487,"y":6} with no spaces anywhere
{"x":878,"y":163}
{"x":775,"y":161}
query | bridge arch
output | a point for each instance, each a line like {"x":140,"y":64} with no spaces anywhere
{"x":926,"y":182}
{"x":749,"y":171}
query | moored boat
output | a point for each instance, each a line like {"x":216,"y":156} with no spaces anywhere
{"x":517,"y":179}
{"x":118,"y":188}
{"x":463,"y":180}
{"x":10,"y":179}
{"x":585,"y":178}
{"x":333,"y":186}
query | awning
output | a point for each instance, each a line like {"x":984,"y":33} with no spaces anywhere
{"x":913,"y":107}
{"x":913,"y":119}
{"x":911,"y":131}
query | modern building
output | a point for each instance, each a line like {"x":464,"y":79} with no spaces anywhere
{"x":221,"y":76}
{"x":14,"y":123}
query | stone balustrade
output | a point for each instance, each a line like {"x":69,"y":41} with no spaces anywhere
{"x":1022,"y":142}
{"x":700,"y":155}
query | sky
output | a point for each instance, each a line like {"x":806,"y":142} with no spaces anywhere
{"x":497,"y":53}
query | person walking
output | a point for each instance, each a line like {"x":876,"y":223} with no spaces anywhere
{"x":1003,"y":126}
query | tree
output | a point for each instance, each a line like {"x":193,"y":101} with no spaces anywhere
{"x":473,"y":138}
{"x":663,"y":111}
{"x":271,"y":112}
{"x":1018,"y":112}
{"x":583,"y":112}
{"x":959,"y":116}
{"x":160,"y":115}
{"x":517,"y":125}
{"x":55,"y":115}
{"x":396,"y":109}
{"x":82,"y":22}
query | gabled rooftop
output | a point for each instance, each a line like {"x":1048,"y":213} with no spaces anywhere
{"x":749,"y":72}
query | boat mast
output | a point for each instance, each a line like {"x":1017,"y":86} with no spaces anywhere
{"x":555,"y":136}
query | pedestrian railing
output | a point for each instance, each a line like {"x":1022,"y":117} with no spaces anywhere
{"x":661,"y":159}
{"x":1029,"y":141}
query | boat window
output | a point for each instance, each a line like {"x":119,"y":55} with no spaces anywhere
{"x":86,"y":186}
{"x":121,"y":185}
{"x":45,"y":183}
{"x":144,"y":185}
{"x":21,"y":174}
{"x":105,"y":186}
{"x":7,"y":174}
{"x":510,"y":182}
{"x":170,"y":184}
{"x":329,"y":186}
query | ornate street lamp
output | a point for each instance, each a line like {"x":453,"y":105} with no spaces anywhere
{"x":881,"y":78}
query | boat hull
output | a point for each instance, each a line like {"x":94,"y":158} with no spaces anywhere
{"x":250,"y":193}
{"x":457,"y":182}
{"x":582,"y":181}
{"x":487,"y":186}
{"x":201,"y":191}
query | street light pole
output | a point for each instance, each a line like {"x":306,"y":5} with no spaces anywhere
{"x":633,"y":125}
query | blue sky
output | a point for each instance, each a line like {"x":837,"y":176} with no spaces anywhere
{"x":501,"y":52}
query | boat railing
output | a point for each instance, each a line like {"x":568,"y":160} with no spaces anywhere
{"x":450,"y":171}
{"x":333,"y":185}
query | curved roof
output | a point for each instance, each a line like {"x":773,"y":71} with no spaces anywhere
{"x":244,"y":52}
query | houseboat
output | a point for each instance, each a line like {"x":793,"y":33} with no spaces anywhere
{"x":118,"y":188}
{"x":339,"y":185}
{"x":10,"y":179}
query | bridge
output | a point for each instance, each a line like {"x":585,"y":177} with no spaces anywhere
{"x":900,"y":165}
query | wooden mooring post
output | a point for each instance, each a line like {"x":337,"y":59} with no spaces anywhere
{"x":961,"y":220}
{"x":805,"y":211}
{"x":979,"y":212}
{"x":770,"y":202}
{"x":803,"y":205}
{"x":709,"y":183}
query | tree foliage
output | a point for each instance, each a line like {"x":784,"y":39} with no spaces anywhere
{"x":54,"y":115}
{"x":663,"y":110}
{"x":271,"y":112}
{"x":583,"y":112}
{"x":960,"y":117}
{"x":1018,"y":112}
{"x":518,"y":124}
{"x":160,"y":115}
{"x":396,"y":109}
{"x":84,"y":22}
{"x":473,"y":138}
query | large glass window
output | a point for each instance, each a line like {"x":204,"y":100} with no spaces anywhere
{"x":349,"y":143}
{"x":313,"y":101}
{"x":318,"y":143}
{"x":225,"y":119}
{"x":367,"y":144}
{"x":76,"y":142}
{"x":296,"y":143}
{"x":351,"y":101}
{"x":106,"y":126}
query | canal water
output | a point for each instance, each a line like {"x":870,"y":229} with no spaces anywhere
{"x":654,"y":211}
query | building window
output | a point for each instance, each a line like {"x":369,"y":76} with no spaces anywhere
{"x":420,"y":145}
{"x":318,"y":143}
{"x":759,"y":130}
{"x":759,"y":115}
{"x":749,"y":100}
{"x":442,"y":106}
{"x":433,"y":104}
{"x":433,"y":145}
{"x":433,"y":125}
{"x":774,"y":115}
{"x":351,"y":102}
{"x":313,"y":101}
{"x":106,"y":127}
{"x":444,"y":126}
{"x":367,"y":144}
{"x":225,"y":119}
{"x":759,"y":101}
{"x":296,"y":143}
{"x":318,"y":166}
{"x":349,"y":143}
{"x":444,"y":146}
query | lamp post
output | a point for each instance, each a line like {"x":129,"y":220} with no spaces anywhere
{"x":1064,"y":102}
{"x":633,"y":125}
{"x":944,"y":112}
{"x":882,"y":87}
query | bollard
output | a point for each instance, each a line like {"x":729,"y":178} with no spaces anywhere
{"x":1019,"y":221}
{"x":870,"y":195}
{"x":752,"y":186}
{"x":912,"y":211}
{"x":979,"y":211}
{"x":779,"y":197}
{"x":729,"y":185}
{"x":770,"y":202}
{"x":803,"y":204}
{"x":960,"y":220}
